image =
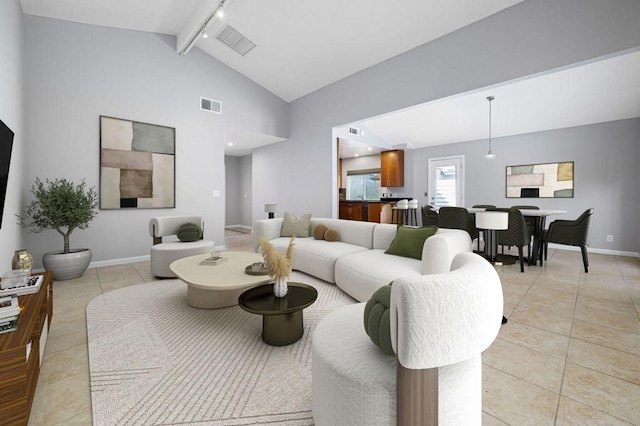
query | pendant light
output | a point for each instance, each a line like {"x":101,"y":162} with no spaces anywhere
{"x":490,"y":155}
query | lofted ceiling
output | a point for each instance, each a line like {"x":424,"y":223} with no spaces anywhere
{"x":302,"y":46}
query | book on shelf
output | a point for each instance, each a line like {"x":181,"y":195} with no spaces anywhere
{"x":19,"y":285}
{"x":214,"y":260}
{"x":8,"y":326}
{"x":8,"y":307}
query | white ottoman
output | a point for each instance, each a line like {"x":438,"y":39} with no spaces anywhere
{"x":162,"y":255}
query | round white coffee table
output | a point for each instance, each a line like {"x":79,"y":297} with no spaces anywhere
{"x":217,"y":286}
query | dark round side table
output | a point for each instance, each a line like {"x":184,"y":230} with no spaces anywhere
{"x":281,"y":316}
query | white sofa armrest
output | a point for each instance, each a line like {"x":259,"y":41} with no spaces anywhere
{"x":267,"y":228}
{"x":447,"y":318}
{"x":440,"y":249}
{"x":162,"y":226}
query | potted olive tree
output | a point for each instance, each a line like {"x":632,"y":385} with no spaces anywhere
{"x":63,"y":206}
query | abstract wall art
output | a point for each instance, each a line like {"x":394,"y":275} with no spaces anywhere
{"x":137,"y":165}
{"x":549,"y":180}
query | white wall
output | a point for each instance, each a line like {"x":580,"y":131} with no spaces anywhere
{"x":606,"y":171}
{"x":12,"y":113}
{"x":366,"y":162}
{"x":77,"y":72}
{"x":531,"y":37}
{"x":246,"y":196}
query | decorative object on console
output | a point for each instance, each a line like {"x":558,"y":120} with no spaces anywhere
{"x":271,"y":209}
{"x":549,"y":180}
{"x":22,"y":259}
{"x":278,"y":266}
{"x":137,"y":165}
{"x":63,"y":206}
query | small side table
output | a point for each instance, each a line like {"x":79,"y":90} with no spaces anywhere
{"x":281,"y":316}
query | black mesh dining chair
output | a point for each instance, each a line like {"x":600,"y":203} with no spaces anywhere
{"x":457,"y":218}
{"x":429,"y":216}
{"x":517,"y":235}
{"x":569,"y":232}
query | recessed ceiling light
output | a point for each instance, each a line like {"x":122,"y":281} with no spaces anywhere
{"x":357,"y":155}
{"x":230,"y":143}
{"x":370,"y":149}
{"x":205,"y":35}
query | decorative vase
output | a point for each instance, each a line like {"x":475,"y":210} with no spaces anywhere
{"x":66,"y":266}
{"x":280,"y":287}
{"x":22,"y":259}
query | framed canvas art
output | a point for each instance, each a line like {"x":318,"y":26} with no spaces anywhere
{"x":549,"y":180}
{"x":137,"y":165}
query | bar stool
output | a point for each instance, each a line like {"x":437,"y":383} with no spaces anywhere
{"x":399,"y":212}
{"x":412,"y":213}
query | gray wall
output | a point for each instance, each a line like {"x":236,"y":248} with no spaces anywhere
{"x":12,"y":113}
{"x":77,"y":72}
{"x":606,"y":172}
{"x":238,"y":175}
{"x":531,"y":37}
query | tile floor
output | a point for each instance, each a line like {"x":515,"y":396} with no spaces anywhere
{"x":569,"y":355}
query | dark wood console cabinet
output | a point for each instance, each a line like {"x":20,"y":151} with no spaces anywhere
{"x":21,"y":352}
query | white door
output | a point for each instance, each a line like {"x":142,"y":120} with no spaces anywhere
{"x":446,"y":181}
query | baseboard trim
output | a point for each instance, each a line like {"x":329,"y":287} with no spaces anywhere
{"x":239,"y":226}
{"x":596,"y":250}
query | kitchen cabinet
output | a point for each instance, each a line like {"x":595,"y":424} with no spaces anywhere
{"x":350,"y":211}
{"x":392,"y":168}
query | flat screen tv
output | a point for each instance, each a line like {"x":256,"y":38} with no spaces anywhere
{"x":6,"y":144}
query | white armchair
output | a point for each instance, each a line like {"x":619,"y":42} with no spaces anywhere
{"x":440,"y":324}
{"x":165,"y":252}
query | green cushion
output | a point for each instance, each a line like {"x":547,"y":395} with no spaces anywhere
{"x":189,"y":232}
{"x":409,"y":241}
{"x":377,"y":321}
{"x":298,"y":226}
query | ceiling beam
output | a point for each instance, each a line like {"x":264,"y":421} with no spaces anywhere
{"x":198,"y":21}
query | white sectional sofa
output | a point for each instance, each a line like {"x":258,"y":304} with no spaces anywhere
{"x":356,"y":263}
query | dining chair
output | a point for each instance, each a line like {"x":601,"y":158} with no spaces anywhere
{"x":569,"y":232}
{"x":429,"y":216}
{"x":458,"y":218}
{"x":517,"y":235}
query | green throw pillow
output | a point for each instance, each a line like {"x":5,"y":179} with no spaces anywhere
{"x":377,"y":322}
{"x":298,"y":226}
{"x":189,"y":232}
{"x":409,"y":241}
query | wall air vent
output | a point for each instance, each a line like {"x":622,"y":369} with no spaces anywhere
{"x":354,"y":131}
{"x":235,"y":40}
{"x":210,"y":105}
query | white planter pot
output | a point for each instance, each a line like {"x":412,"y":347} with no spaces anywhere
{"x":67,"y":266}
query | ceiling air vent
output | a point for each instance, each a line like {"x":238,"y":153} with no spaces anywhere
{"x":354,"y":131}
{"x":210,"y":105}
{"x":235,"y":40}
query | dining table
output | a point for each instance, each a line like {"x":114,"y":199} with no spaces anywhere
{"x":540,"y":219}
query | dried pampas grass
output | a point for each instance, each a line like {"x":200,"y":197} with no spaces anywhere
{"x":278,"y":266}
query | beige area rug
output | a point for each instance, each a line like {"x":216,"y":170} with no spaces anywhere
{"x":154,"y":360}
